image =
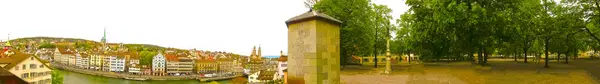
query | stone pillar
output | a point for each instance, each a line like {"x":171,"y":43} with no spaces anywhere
{"x":313,"y":49}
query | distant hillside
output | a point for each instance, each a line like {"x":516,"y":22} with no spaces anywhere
{"x":45,"y":40}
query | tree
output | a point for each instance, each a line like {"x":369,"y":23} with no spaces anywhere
{"x":146,"y":57}
{"x":360,"y":21}
{"x":57,"y":78}
{"x":47,"y":45}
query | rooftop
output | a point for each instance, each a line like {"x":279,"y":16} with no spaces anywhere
{"x":311,"y":15}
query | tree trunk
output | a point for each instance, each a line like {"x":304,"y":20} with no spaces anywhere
{"x":480,"y":58}
{"x":567,"y":57}
{"x":558,"y":56}
{"x":546,"y":51}
{"x":408,"y":58}
{"x":471,"y":52}
{"x":525,"y":52}
{"x":515,"y":56}
{"x":485,"y":56}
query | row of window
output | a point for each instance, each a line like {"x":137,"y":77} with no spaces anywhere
{"x":46,"y":81}
{"x":31,"y":66}
{"x":35,"y":74}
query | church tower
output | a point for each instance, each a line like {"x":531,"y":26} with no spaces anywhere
{"x":103,"y":40}
{"x":259,"y":55}
{"x":7,"y":45}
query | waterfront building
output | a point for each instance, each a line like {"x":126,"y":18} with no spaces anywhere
{"x":72,"y":59}
{"x":206,"y":66}
{"x":145,"y":70}
{"x":106,"y":63}
{"x":158,"y":64}
{"x":117,"y":62}
{"x":27,"y":67}
{"x":96,"y":61}
{"x":226,"y":65}
{"x":83,"y":61}
{"x":134,"y":68}
{"x":61,"y":55}
{"x":179,"y":63}
{"x":255,"y":62}
{"x":281,"y":65}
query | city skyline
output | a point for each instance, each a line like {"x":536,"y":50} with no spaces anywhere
{"x":233,"y":27}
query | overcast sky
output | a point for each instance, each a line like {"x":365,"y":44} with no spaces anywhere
{"x":215,"y":25}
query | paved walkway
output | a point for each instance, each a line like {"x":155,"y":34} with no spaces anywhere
{"x":498,"y":72}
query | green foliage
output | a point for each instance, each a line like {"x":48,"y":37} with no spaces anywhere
{"x":146,"y":57}
{"x":442,"y":28}
{"x":57,"y":78}
{"x":47,"y":45}
{"x":364,"y":25}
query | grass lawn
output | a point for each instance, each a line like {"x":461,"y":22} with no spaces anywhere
{"x":497,"y":72}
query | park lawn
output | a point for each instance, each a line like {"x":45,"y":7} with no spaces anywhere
{"x":498,"y":72}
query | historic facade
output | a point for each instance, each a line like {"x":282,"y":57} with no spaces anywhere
{"x":159,"y":64}
{"x":255,"y":62}
{"x":27,"y":67}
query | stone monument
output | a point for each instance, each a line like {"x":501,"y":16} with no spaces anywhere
{"x":313,"y":49}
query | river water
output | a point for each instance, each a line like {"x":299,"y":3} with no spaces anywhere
{"x":78,"y":78}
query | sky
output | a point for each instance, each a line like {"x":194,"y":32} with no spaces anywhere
{"x":216,"y":25}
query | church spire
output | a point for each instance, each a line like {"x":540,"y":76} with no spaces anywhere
{"x":259,"y":55}
{"x":104,"y":36}
{"x":253,"y":52}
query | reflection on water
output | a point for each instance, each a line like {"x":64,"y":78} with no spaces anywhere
{"x":78,"y":78}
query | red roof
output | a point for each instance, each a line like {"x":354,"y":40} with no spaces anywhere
{"x":282,"y":58}
{"x":171,"y":57}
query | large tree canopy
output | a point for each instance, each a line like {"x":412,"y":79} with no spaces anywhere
{"x":364,"y":25}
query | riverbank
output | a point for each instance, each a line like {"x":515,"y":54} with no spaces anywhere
{"x":137,"y":77}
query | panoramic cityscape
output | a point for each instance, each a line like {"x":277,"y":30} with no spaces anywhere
{"x":300,"y":42}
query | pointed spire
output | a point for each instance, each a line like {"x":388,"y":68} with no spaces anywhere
{"x":253,"y":52}
{"x":259,"y":52}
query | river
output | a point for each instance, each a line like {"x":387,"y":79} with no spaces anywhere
{"x":78,"y":78}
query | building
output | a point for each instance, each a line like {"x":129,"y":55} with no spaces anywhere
{"x":8,"y":78}
{"x":262,"y":76}
{"x":255,"y":62}
{"x":145,"y":70}
{"x":134,"y":66}
{"x":106,"y":63}
{"x":158,"y":64}
{"x":226,"y":65}
{"x":179,"y":63}
{"x":72,"y":59}
{"x":61,"y":55}
{"x":281,"y":65}
{"x":27,"y":67}
{"x":83,"y":61}
{"x":117,"y":62}
{"x":96,"y":60}
{"x":206,"y":66}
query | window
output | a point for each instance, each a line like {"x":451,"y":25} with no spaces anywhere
{"x":31,"y":58}
{"x":16,"y":68}
{"x":42,"y":66}
{"x":32,"y":66}
{"x":283,"y":65}
{"x":25,"y":75}
{"x":24,"y":66}
{"x":365,"y":60}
